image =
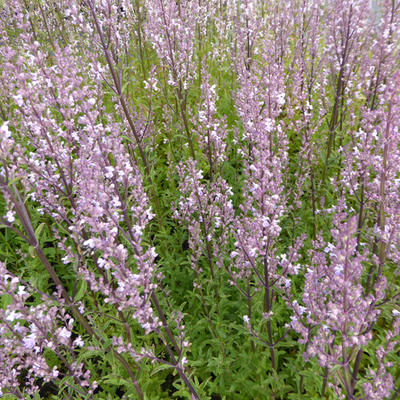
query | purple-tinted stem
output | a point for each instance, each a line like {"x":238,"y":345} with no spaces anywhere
{"x":267,"y":309}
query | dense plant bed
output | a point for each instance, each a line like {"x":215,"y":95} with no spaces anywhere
{"x":200,"y":199}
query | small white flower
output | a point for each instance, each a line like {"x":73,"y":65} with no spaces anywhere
{"x":78,"y":342}
{"x":115,"y":202}
{"x":30,"y":341}
{"x":339,"y":269}
{"x":302,"y":310}
{"x":17,"y":327}
{"x":89,"y":243}
{"x":253,"y":251}
{"x":281,"y":99}
{"x":10,"y":217}
{"x":4,"y":129}
{"x":246,"y":319}
{"x":13,"y":316}
{"x":101,"y":262}
{"x":65,"y":260}
{"x":138,"y":229}
{"x":19,"y":100}
{"x":21,"y":290}
{"x":54,"y":372}
{"x":65,"y":333}
{"x":296,"y":268}
{"x":109,"y":172}
{"x":329,"y":248}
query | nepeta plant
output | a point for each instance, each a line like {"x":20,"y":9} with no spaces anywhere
{"x":199,"y":199}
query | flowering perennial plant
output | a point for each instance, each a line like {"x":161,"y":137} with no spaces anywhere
{"x":199,"y":199}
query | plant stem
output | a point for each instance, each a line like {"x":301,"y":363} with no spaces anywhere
{"x":325,"y":381}
{"x":267,"y":309}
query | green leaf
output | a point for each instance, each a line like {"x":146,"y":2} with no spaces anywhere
{"x":113,"y":380}
{"x":82,"y":288}
{"x":124,"y":86}
{"x":51,"y":358}
{"x":38,"y":230}
{"x":160,"y":368}
{"x":31,"y":251}
{"x":5,"y":301}
{"x":88,"y":354}
{"x":128,"y":139}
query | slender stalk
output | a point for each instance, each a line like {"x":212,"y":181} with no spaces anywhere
{"x":250,"y":313}
{"x":267,"y":309}
{"x":181,"y":372}
{"x":381,"y":215}
{"x":46,"y":26}
{"x":325,"y":381}
{"x":182,"y":108}
{"x":313,"y":201}
{"x":140,"y":40}
{"x":339,"y":100}
{"x":356,"y":369}
{"x":164,"y":322}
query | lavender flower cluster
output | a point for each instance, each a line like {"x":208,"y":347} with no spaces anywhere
{"x":265,"y":132}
